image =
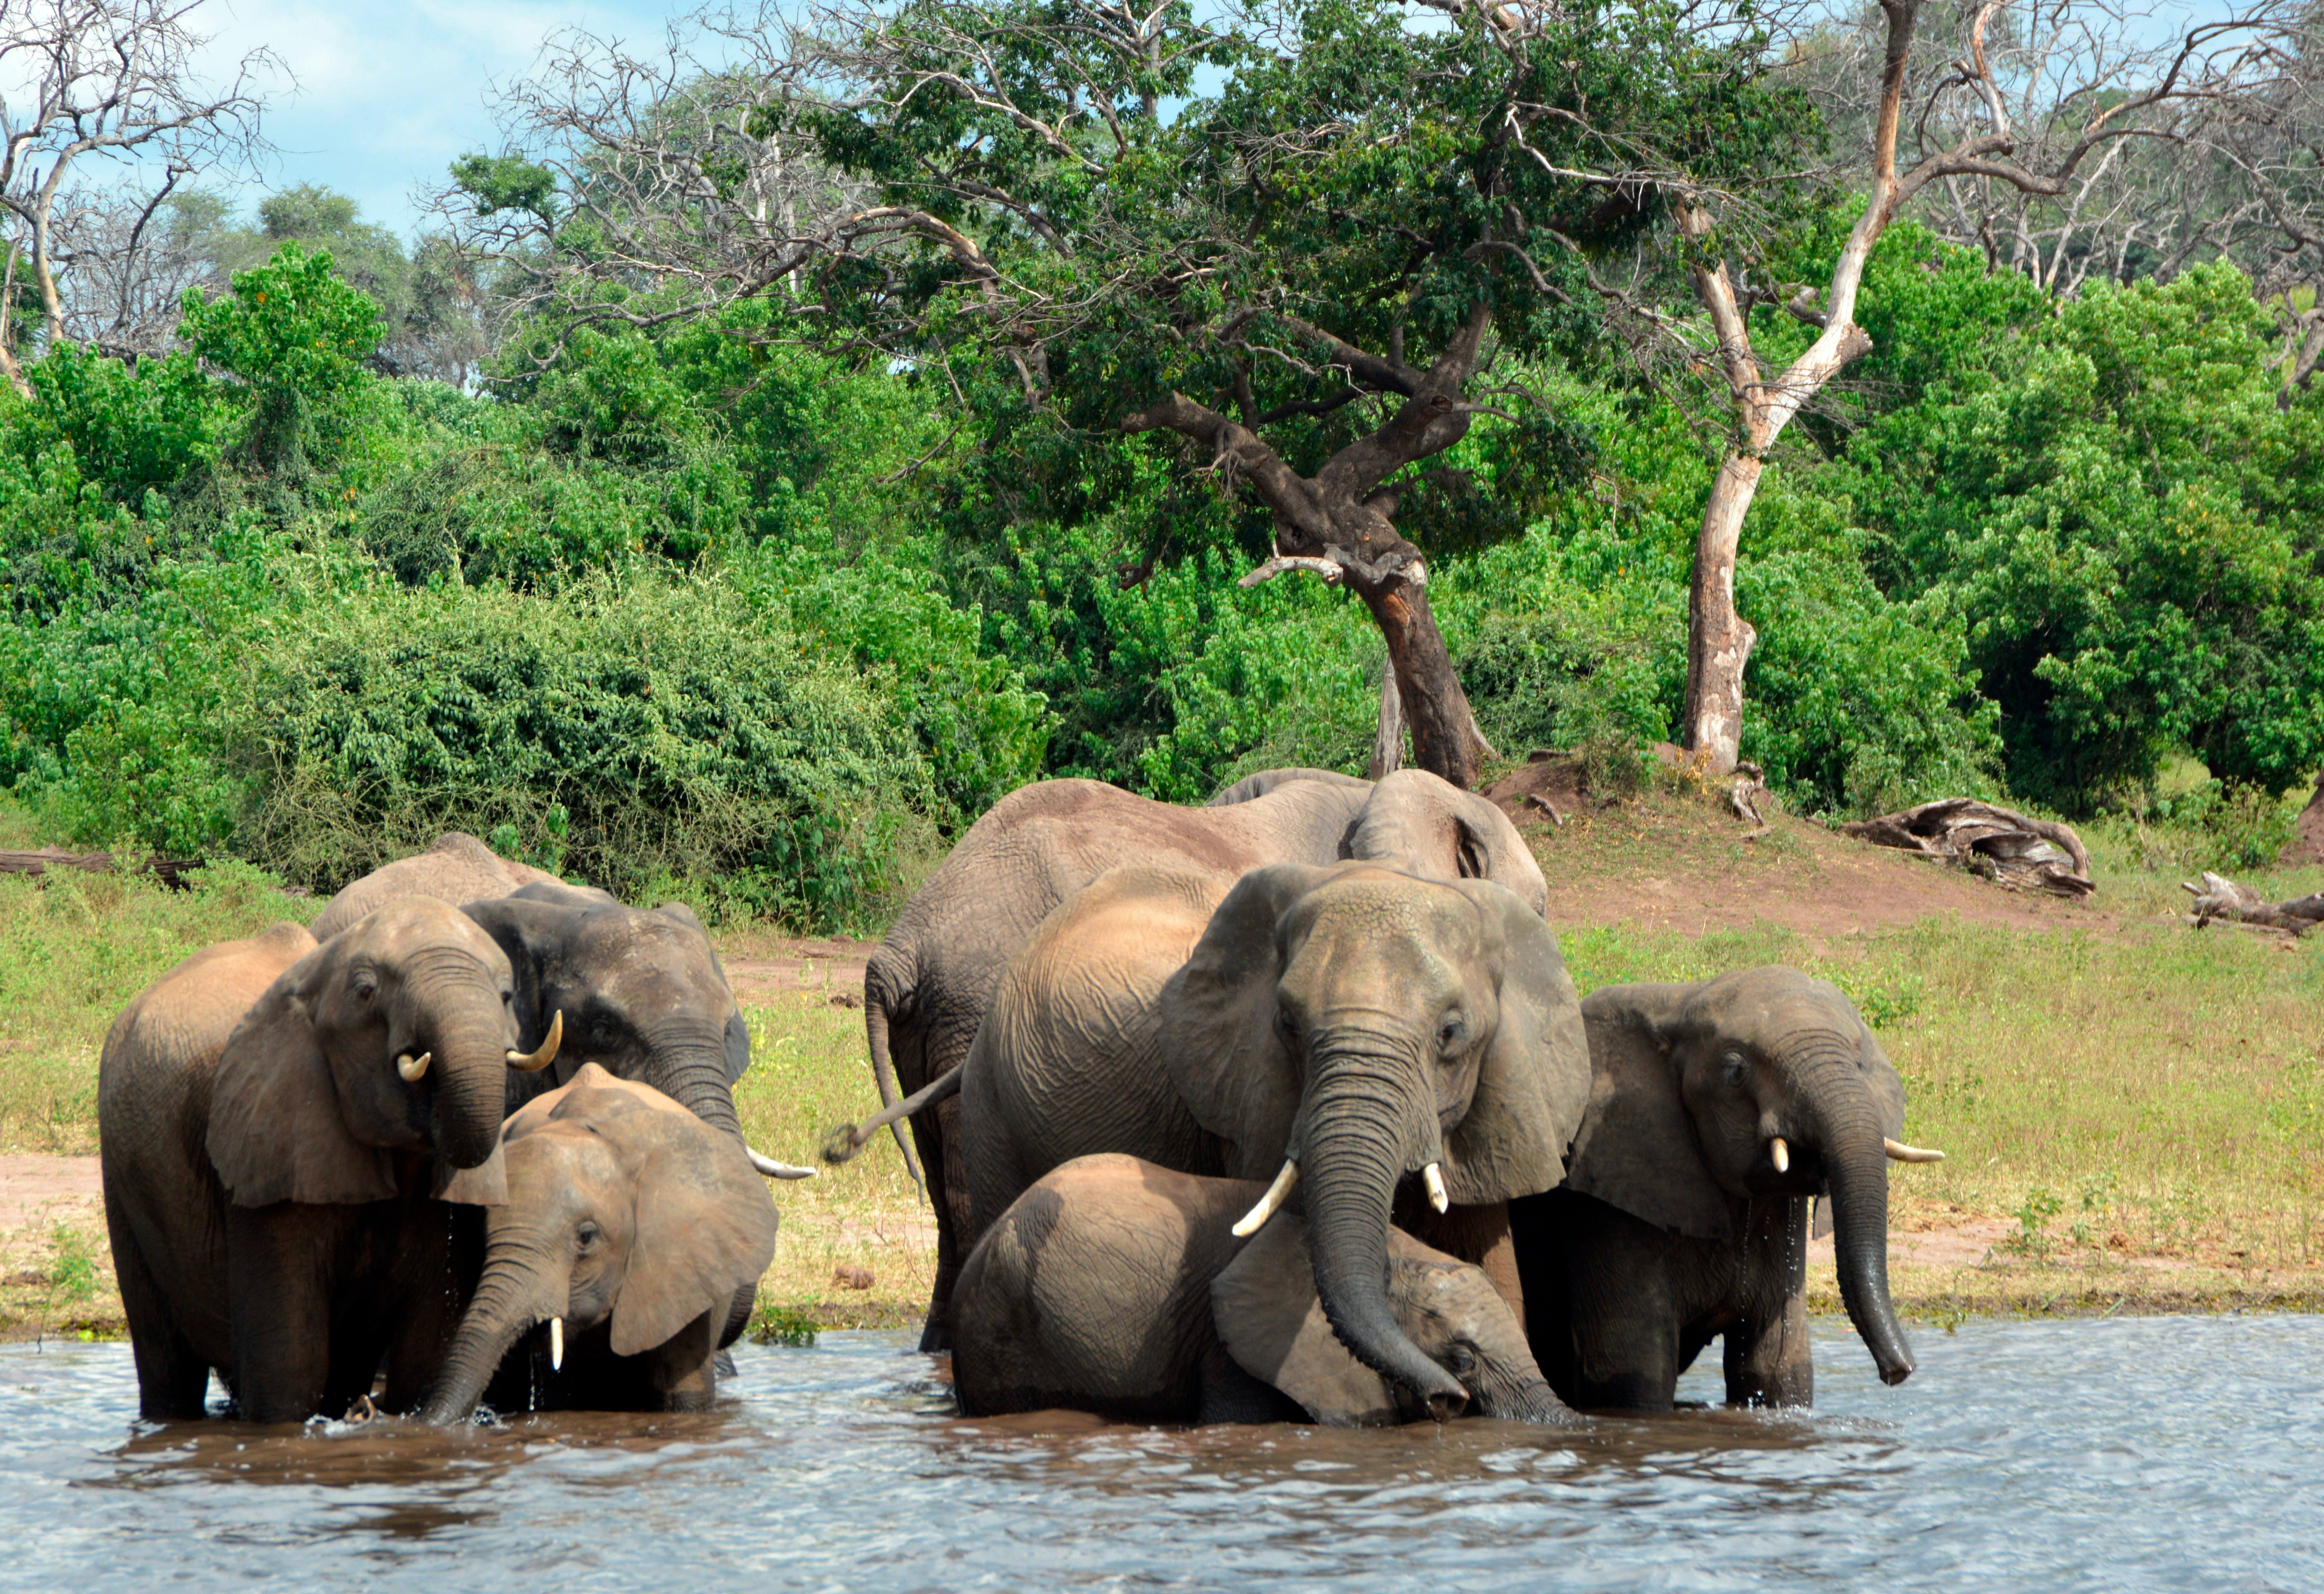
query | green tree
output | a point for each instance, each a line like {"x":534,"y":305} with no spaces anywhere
{"x":296,"y":338}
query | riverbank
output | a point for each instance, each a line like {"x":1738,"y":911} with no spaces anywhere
{"x":2133,"y":1111}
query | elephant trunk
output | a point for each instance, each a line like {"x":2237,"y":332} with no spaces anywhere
{"x":520,"y":1289}
{"x":466,"y":1031}
{"x":691,"y":1069}
{"x":1856,"y":1172}
{"x":1353,"y":1150}
{"x":1521,"y":1395}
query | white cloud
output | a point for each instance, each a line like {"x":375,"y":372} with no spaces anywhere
{"x":388,"y":95}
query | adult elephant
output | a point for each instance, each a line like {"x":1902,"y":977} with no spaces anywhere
{"x":926,"y":986}
{"x":629,"y":1225}
{"x":268,"y":1174}
{"x":1716,"y":1110}
{"x":1343,"y":1025}
{"x":458,"y":869}
{"x":1118,"y":1287}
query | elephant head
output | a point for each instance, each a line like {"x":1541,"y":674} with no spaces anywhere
{"x":1762,"y":1082}
{"x":1425,"y":825}
{"x":395,"y":1035}
{"x":1351,"y":1024}
{"x":641,"y":991}
{"x":1265,"y":1308}
{"x":623,"y":1208}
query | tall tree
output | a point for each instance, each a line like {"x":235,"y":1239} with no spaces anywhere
{"x":111,"y":80}
{"x":1960,"y":129}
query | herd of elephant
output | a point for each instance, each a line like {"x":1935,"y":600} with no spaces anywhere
{"x":1280,"y":1108}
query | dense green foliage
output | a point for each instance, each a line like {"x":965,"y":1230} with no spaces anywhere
{"x":695,"y":608}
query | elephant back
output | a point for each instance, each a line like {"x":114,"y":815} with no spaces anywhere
{"x":458,"y":870}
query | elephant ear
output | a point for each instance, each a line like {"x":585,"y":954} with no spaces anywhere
{"x":1228,"y":1064}
{"x":1534,"y":1081}
{"x":1265,"y":1308}
{"x":705,"y":1225}
{"x":1636,"y":1149}
{"x":276,"y":1129}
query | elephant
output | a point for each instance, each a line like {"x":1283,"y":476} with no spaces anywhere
{"x":1716,"y":1110}
{"x":1267,"y":780}
{"x":1345,"y":1024}
{"x":628,"y":1226}
{"x":268,"y":1172}
{"x":926,"y":986}
{"x":458,"y":870}
{"x":1118,"y":1287}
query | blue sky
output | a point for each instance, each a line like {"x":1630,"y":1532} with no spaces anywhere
{"x":388,"y":94}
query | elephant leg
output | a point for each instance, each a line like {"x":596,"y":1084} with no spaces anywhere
{"x":1767,"y":1360}
{"x":1620,"y":1309}
{"x":937,"y":1133}
{"x":173,"y":1381}
{"x":279,"y":1286}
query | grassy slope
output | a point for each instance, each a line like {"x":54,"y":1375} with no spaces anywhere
{"x":2134,"y":1111}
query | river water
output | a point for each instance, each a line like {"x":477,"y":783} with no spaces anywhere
{"x":2158,"y":1453}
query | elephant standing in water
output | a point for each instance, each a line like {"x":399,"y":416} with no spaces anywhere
{"x":628,"y":1229}
{"x":927,"y":986}
{"x":1716,"y":1110}
{"x":1118,"y":1287}
{"x":1340,"y":1027}
{"x":268,"y":1172}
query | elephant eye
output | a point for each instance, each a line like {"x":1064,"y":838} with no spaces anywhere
{"x":1733,"y":1070}
{"x":587,"y":1235}
{"x":1461,"y":1358}
{"x":1449,"y":1032}
{"x":363,"y":986}
{"x":1286,"y":1026}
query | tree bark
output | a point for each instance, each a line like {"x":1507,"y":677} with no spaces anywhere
{"x":1719,"y":641}
{"x":1443,"y":738}
{"x":1387,"y":741}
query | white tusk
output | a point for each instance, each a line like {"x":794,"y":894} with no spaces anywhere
{"x":412,"y":1067}
{"x":532,"y":1062}
{"x":1898,"y":1150}
{"x":1432,"y":1177}
{"x":775,"y":1170}
{"x":556,"y":1344}
{"x":1271,"y":1202}
{"x":1779,"y":1153}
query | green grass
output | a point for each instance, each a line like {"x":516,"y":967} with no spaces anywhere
{"x":74,"y":949}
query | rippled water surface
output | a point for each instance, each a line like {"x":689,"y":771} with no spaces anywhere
{"x":2147,"y":1454}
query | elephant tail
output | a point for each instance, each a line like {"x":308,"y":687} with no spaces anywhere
{"x":844,"y":1142}
{"x":885,"y":993}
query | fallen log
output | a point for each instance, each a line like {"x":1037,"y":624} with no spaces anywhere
{"x":172,"y":871}
{"x":2006,"y":846}
{"x":2219,"y":897}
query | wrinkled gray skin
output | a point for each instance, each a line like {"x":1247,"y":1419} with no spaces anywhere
{"x":643,"y":995}
{"x":458,"y":870}
{"x":1674,"y":1228}
{"x":1365,"y":1022}
{"x":634,"y":1222}
{"x":1115,"y":1286}
{"x":925,"y":987}
{"x":268,"y":1172}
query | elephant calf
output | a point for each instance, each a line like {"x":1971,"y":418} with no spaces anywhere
{"x":629,"y":1221}
{"x":1118,"y":1287}
{"x":1716,"y":1110}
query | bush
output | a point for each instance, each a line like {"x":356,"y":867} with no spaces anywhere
{"x":638,"y":730}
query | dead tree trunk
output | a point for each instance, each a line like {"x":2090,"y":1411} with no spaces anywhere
{"x":1339,"y":523}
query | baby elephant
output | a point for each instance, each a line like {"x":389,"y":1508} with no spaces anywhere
{"x":1115,"y":1286}
{"x":629,"y":1225}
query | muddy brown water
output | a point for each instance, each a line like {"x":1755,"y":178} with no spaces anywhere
{"x":2150,"y":1454}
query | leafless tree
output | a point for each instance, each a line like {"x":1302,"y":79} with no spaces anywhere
{"x":115,"y":80}
{"x":123,"y":263}
{"x":1941,"y":116}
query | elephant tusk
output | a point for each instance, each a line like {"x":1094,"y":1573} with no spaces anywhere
{"x":532,"y":1062}
{"x":556,"y":1344}
{"x":1779,"y":1153}
{"x":1271,"y":1202}
{"x":410,"y":1068}
{"x":1899,"y":1151}
{"x":1432,"y":1177}
{"x":775,"y":1170}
